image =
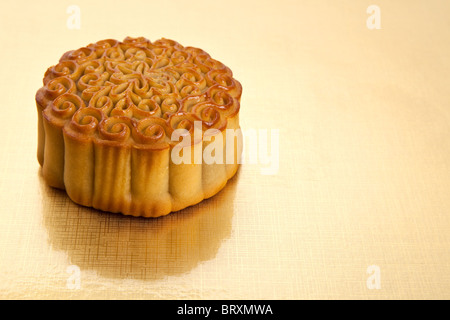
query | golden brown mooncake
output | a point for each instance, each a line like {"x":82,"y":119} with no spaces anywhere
{"x":107,"y":113}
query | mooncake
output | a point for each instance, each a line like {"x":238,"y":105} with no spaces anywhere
{"x":107,"y":116}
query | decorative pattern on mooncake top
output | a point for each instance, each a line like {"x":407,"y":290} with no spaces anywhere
{"x":138,"y":91}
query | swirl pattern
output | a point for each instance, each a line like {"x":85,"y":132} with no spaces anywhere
{"x":121,"y":84}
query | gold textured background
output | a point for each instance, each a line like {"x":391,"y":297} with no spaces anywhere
{"x":364,"y":179}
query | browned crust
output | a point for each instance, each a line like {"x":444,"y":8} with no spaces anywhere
{"x":135,"y":80}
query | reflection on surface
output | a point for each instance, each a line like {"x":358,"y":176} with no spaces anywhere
{"x":119,"y":246}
